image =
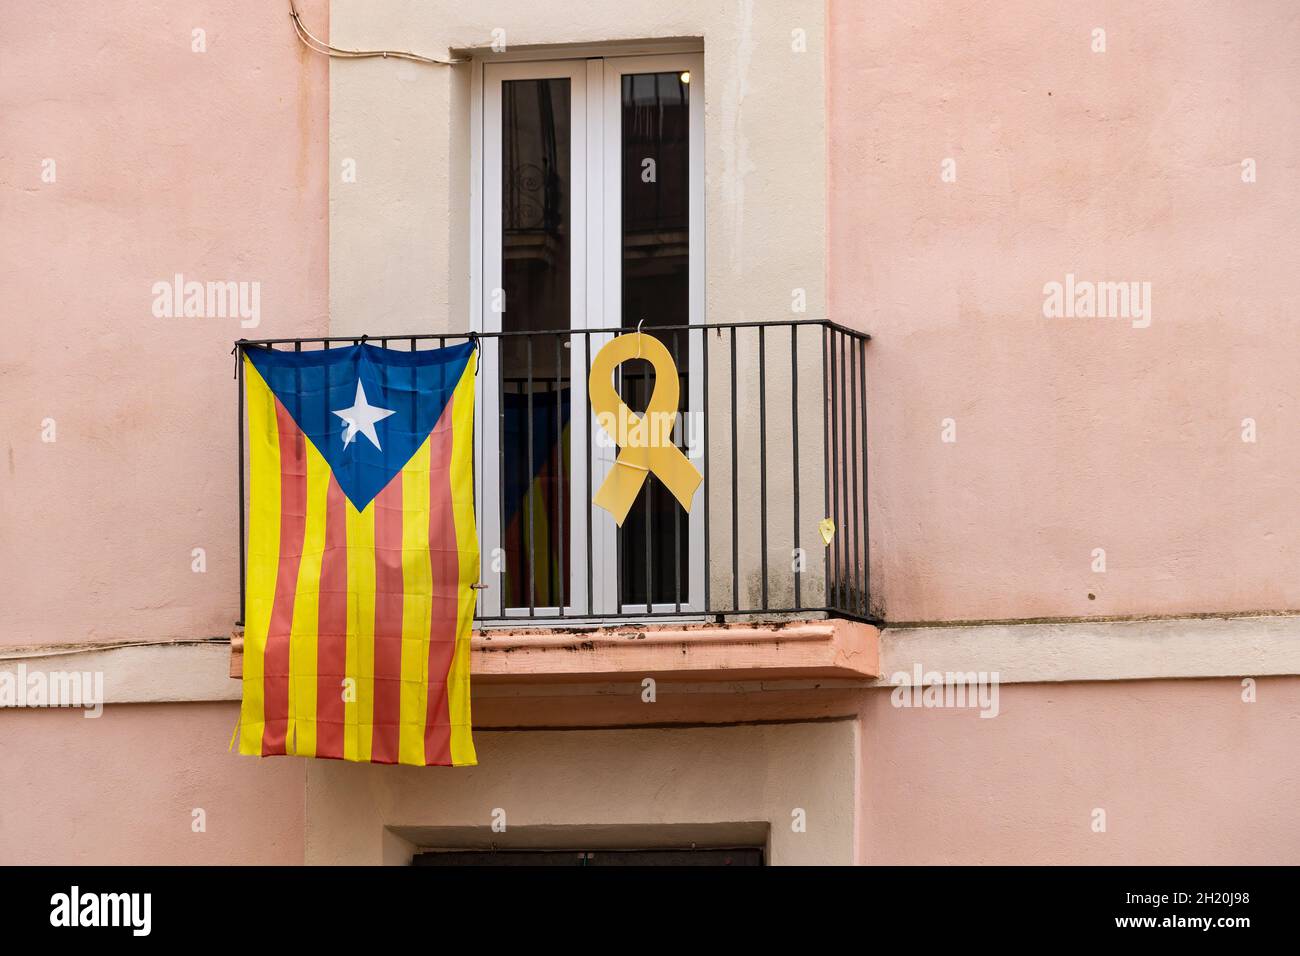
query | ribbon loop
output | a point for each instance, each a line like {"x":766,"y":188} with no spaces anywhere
{"x":644,"y":441}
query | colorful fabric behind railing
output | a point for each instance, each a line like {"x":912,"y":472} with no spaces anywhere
{"x":536,"y":502}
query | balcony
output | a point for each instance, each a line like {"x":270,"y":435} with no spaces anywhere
{"x":767,"y":573}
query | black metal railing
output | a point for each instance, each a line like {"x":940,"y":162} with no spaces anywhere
{"x":773,"y":416}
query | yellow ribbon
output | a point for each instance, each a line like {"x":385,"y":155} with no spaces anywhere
{"x":645,"y":442}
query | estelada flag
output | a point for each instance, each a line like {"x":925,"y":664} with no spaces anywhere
{"x":362,"y":553}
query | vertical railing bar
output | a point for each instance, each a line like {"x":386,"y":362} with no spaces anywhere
{"x":528,"y":478}
{"x":243,"y":570}
{"x":649,"y":510}
{"x":704,"y":413}
{"x":844,"y":463}
{"x":762,"y":456}
{"x":794,"y":433}
{"x":855,"y":513}
{"x":649,"y":558}
{"x":735,"y":517}
{"x":560,"y":463}
{"x":587,"y":453}
{"x":506,"y":570}
{"x":835,"y":475}
{"x":620,"y":537}
{"x":826,"y":455}
{"x":677,"y":512}
{"x":620,"y":534}
{"x":866,"y":500}
{"x":477,"y":478}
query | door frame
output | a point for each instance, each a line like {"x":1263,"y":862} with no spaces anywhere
{"x":595,"y":302}
{"x":604,"y":529}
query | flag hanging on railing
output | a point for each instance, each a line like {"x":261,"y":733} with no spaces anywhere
{"x":362,"y":554}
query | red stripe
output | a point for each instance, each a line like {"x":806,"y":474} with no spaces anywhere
{"x":388,"y":622}
{"x":445,"y":563}
{"x":332,"y":627}
{"x":293,"y":522}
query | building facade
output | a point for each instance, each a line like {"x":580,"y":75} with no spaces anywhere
{"x":1013,"y":580}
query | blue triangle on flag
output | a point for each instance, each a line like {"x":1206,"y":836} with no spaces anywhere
{"x":366,"y":409}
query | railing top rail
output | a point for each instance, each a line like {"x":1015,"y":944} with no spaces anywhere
{"x":429,"y":336}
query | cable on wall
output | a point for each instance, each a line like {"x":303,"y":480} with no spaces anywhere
{"x":94,"y":647}
{"x":314,"y":43}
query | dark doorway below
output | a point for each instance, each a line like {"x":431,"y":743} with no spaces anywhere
{"x":738,"y":856}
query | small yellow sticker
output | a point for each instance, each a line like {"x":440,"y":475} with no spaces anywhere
{"x":827,"y":527}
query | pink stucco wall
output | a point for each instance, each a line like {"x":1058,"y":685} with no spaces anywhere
{"x":1072,"y":434}
{"x":122,"y":789}
{"x":209,"y":164}
{"x":1186,"y":772}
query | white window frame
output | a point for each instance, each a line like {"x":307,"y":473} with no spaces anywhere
{"x":595,"y":302}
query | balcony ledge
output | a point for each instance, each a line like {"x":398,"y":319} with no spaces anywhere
{"x":832,"y":648}
{"x":789,"y":650}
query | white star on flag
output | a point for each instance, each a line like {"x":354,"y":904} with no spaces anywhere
{"x":361,"y":417}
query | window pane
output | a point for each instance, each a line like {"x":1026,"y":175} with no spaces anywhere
{"x":653,"y":541}
{"x":536,"y":228}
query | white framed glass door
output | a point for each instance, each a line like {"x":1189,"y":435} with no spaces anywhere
{"x":534,"y":233}
{"x":588,"y":214}
{"x":653,"y":273}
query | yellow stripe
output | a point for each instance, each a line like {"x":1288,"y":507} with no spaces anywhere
{"x":462,"y":503}
{"x":263,"y":551}
{"x":417,"y":596}
{"x":305,"y":633}
{"x":358,"y":715}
